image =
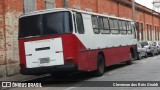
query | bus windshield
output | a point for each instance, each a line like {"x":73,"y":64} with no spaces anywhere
{"x":45,"y":24}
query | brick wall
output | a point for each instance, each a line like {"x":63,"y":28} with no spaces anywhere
{"x":2,"y":39}
{"x":40,"y":4}
{"x":9,"y":56}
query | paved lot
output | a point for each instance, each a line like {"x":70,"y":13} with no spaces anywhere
{"x":142,"y":70}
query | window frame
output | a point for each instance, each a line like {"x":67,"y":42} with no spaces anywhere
{"x":142,"y":29}
{"x":81,"y":23}
{"x":123,"y":27}
{"x":150,"y":28}
{"x":155,"y":29}
{"x":115,"y":29}
{"x":148,"y":31}
{"x":26,"y":6}
{"x":100,"y":23}
{"x":103,"y":24}
{"x":42,"y":29}
{"x":95,"y":16}
{"x":158,"y":33}
{"x":49,"y":2}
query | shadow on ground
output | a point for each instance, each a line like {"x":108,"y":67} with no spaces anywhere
{"x":73,"y":79}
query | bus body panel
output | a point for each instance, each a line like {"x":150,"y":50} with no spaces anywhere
{"x":116,"y":47}
{"x":71,"y":51}
{"x":85,"y":59}
{"x":47,"y":52}
{"x":87,"y":55}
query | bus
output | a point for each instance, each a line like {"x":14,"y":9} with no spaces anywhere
{"x":63,"y":39}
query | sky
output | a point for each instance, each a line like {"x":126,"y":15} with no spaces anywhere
{"x":147,"y":3}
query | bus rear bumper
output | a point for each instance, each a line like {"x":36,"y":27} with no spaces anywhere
{"x":47,"y":70}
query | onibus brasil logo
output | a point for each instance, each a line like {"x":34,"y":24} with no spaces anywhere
{"x":19,"y":84}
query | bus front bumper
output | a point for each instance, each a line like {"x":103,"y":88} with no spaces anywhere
{"x":47,"y":70}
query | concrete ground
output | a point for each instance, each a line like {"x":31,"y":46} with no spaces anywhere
{"x":142,"y":70}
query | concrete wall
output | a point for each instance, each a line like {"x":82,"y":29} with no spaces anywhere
{"x":10,"y":10}
{"x":9,"y":56}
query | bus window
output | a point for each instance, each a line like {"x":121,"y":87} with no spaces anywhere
{"x":123,"y":28}
{"x":57,"y":23}
{"x":45,"y":24}
{"x":95,"y":24}
{"x":80,"y":26}
{"x":30,"y":26}
{"x":116,"y":30}
{"x":129,"y":30}
{"x":114,"y":26}
{"x":111,"y":23}
{"x":106,"y":26}
{"x":100,"y":19}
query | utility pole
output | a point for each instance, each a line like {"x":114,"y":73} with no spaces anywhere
{"x":133,"y":10}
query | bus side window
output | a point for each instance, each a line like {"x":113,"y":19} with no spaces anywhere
{"x":106,"y":26}
{"x":129,"y":30}
{"x":111,"y":23}
{"x":80,"y":25}
{"x":95,"y":24}
{"x":100,"y":23}
{"x":123,"y":27}
{"x":114,"y":26}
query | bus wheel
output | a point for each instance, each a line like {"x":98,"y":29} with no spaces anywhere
{"x":100,"y":66}
{"x":131,"y":59}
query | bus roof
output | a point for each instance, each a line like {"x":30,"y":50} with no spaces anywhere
{"x":69,"y":9}
{"x":92,"y":13}
{"x":44,"y":11}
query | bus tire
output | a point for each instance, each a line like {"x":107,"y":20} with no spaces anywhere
{"x":100,"y":66}
{"x":131,"y":59}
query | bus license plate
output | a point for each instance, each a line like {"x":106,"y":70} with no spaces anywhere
{"x":44,"y":60}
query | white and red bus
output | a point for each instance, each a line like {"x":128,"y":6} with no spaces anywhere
{"x":60,"y":39}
